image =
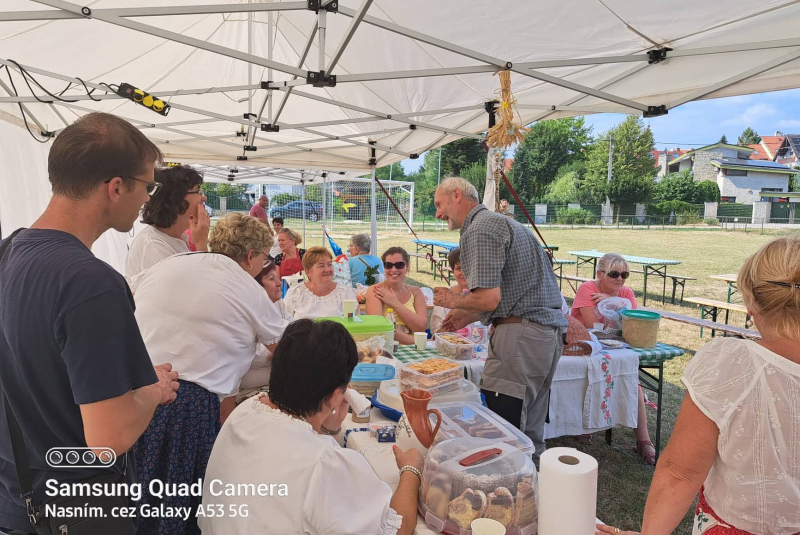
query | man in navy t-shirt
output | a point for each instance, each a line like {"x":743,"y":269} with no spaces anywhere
{"x":73,"y":365}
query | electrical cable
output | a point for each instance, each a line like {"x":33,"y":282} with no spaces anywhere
{"x":21,"y":109}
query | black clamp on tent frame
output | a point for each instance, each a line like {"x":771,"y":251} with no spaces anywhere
{"x":491,"y":109}
{"x":657,"y":56}
{"x":372,"y":160}
{"x":251,"y":148}
{"x":267,"y":127}
{"x":241,"y":158}
{"x":330,"y":7}
{"x":320,"y":79}
{"x":655,"y":111}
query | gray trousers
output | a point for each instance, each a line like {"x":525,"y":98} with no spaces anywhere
{"x":521,"y":363}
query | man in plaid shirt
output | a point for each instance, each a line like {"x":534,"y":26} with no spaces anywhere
{"x":512,"y":287}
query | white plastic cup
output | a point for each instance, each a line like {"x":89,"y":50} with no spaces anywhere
{"x":487,"y":526}
{"x":349,"y":307}
{"x":599,"y":326}
{"x":421,"y":340}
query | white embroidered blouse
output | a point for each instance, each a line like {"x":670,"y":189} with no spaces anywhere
{"x":302,"y":303}
{"x":753,"y":395}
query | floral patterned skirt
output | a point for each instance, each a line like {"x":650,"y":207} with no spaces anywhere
{"x":175,"y":449}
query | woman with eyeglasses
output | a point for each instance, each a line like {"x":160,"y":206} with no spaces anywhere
{"x":408,"y":302}
{"x":612,"y":272}
{"x":175,"y":205}
{"x":319,"y":296}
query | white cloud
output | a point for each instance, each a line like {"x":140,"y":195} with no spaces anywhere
{"x":790,"y":123}
{"x":752,"y":115}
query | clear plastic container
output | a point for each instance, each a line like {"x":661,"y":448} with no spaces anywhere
{"x":468,"y":478}
{"x":419,"y":375}
{"x":640,"y":328}
{"x":454,"y":346}
{"x":471,"y":419}
{"x":389,"y":394}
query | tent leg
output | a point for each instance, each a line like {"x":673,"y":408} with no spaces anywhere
{"x":374,"y":214}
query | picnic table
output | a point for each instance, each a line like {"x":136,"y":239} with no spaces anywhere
{"x":650,"y":266}
{"x":731,"y":279}
{"x":578,"y":401}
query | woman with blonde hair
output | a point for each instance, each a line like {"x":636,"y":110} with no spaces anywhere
{"x":290,"y":259}
{"x":737,"y":437}
{"x":206,"y":314}
{"x":319,"y":296}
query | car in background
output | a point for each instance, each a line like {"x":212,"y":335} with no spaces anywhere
{"x":294,"y":209}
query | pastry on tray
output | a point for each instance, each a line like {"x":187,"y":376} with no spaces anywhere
{"x":438,"y":496}
{"x":501,"y":506}
{"x":470,"y":505}
{"x":525,"y":512}
{"x":432,"y":366}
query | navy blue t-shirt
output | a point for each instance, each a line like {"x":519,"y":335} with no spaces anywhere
{"x":68,"y":336}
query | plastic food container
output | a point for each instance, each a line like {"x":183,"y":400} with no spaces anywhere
{"x":367,"y":378}
{"x":465,"y":391}
{"x":365,"y":327}
{"x":418,"y":375}
{"x":471,"y":419}
{"x":640,"y":328}
{"x":469,"y":478}
{"x":454,"y":346}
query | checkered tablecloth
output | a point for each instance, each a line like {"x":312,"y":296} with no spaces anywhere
{"x":658,"y":355}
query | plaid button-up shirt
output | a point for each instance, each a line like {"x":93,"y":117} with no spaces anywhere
{"x":497,"y":251}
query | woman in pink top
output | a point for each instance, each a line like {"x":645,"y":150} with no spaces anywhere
{"x":612,"y":271}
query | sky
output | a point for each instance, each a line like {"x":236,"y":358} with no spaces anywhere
{"x":701,"y":123}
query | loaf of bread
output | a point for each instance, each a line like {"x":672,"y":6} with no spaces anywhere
{"x":525,"y":512}
{"x":470,"y":505}
{"x":501,"y":506}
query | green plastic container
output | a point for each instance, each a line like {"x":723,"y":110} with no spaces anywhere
{"x":640,"y":328}
{"x":365,"y":327}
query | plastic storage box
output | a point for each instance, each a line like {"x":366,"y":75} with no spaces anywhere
{"x":471,"y":419}
{"x":468,"y":478}
{"x":365,"y":327}
{"x":454,"y":346}
{"x":368,"y":377}
{"x":640,"y":327}
{"x":389,"y":394}
{"x":416,"y":375}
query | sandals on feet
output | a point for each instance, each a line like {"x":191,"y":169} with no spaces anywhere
{"x":641,"y":449}
{"x":585,"y":439}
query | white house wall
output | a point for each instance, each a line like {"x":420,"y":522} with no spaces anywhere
{"x":746,"y":188}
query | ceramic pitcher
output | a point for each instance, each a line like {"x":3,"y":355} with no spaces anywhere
{"x":416,"y":413}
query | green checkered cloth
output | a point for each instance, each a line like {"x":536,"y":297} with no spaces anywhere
{"x":647,"y":357}
{"x":657,"y":355}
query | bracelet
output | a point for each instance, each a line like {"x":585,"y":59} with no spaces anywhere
{"x":413,"y":469}
{"x":327,"y":431}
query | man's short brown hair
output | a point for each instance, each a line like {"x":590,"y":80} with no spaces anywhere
{"x":95,"y":148}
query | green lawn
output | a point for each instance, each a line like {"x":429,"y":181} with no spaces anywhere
{"x":624,"y":479}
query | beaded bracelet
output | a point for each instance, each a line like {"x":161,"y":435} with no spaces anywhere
{"x":413,"y":469}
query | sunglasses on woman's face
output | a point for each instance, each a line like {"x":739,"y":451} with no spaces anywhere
{"x":617,"y":274}
{"x":390,"y":265}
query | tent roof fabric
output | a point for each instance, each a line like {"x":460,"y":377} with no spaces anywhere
{"x":410,"y":76}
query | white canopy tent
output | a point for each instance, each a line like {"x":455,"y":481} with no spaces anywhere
{"x":350,"y":85}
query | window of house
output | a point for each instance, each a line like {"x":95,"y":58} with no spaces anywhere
{"x":771,"y":189}
{"x":727,"y":199}
{"x":735,"y":172}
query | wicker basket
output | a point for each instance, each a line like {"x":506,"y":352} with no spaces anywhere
{"x":576,"y":332}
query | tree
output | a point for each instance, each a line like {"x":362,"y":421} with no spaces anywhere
{"x":459,"y":155}
{"x":705,"y":191}
{"x":224,"y":189}
{"x":568,"y":187}
{"x":749,"y":137}
{"x":397,"y":172}
{"x":548,"y":146}
{"x":675,"y":187}
{"x":633,"y":169}
{"x":723,"y":139}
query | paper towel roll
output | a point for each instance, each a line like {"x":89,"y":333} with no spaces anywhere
{"x":567,"y":492}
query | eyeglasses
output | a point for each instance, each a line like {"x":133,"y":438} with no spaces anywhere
{"x":785,"y":284}
{"x":390,"y":265}
{"x":616,"y":274}
{"x":151,"y":187}
{"x":193,"y":192}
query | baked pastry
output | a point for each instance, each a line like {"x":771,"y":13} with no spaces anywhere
{"x":431,"y":366}
{"x":470,"y":505}
{"x":501,"y":506}
{"x":438,"y":496}
{"x":525,"y":512}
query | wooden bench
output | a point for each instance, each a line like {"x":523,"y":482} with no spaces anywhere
{"x":708,"y":324}
{"x":712,"y":306}
{"x":575,"y":278}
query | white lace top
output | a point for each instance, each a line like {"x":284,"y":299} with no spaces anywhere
{"x":753,"y":395}
{"x":302,"y":303}
{"x":331,"y":490}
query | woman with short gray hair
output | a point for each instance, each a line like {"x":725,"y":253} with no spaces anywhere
{"x":363,"y":266}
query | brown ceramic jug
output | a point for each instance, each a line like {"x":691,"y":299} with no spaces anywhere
{"x":416,"y":411}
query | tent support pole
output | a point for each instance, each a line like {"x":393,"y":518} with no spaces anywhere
{"x":374,"y":213}
{"x":303,"y":197}
{"x":324,"y":205}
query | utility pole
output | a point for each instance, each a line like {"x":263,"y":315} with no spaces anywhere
{"x":610,"y":164}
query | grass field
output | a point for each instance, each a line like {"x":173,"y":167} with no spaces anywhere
{"x":624,"y":479}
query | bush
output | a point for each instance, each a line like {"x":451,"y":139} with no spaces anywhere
{"x":706,"y":191}
{"x":666,"y":208}
{"x":283,"y":198}
{"x":712,"y":222}
{"x":573,"y":216}
{"x":688,"y":219}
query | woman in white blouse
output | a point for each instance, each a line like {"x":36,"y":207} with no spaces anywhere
{"x":206,"y":314}
{"x":177,"y":207}
{"x":737,"y":436}
{"x":319,"y":296}
{"x":285,"y":439}
{"x":257,"y":376}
